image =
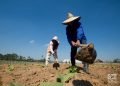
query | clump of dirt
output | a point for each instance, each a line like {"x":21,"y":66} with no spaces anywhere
{"x":56,"y":65}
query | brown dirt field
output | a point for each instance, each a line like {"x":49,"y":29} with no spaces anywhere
{"x":33,"y":74}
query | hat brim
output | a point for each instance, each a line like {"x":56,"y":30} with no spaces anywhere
{"x":71,"y":19}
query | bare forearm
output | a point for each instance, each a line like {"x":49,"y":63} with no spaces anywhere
{"x":80,"y":45}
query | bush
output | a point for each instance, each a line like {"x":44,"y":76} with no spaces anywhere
{"x":116,"y":60}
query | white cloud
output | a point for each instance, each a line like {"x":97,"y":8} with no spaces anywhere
{"x":32,"y":41}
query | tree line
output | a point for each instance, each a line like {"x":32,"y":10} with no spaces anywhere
{"x":15,"y":57}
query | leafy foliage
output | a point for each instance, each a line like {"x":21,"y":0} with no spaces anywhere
{"x":51,"y":84}
{"x":116,"y":60}
{"x":68,"y":76}
{"x":73,"y":69}
{"x":65,"y":78}
{"x":15,"y":57}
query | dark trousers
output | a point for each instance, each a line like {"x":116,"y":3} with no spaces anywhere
{"x":74,"y":51}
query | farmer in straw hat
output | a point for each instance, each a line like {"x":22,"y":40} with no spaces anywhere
{"x":52,"y":50}
{"x":75,"y":36}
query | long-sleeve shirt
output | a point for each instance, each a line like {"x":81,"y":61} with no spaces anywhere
{"x":75,"y":33}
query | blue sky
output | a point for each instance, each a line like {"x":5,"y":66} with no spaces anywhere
{"x":27,"y":26}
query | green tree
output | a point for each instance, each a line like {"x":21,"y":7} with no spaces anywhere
{"x":30,"y":59}
{"x":1,"y":57}
{"x":116,"y":60}
{"x":11,"y":56}
{"x":21,"y":58}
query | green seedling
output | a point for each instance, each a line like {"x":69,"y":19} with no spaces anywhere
{"x":10,"y":67}
{"x":73,"y":69}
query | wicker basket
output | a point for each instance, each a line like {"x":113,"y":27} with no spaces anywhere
{"x":87,"y":54}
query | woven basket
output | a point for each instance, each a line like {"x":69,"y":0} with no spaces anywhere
{"x":87,"y":54}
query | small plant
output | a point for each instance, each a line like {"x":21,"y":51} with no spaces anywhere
{"x":59,"y":78}
{"x":10,"y":67}
{"x":73,"y":69}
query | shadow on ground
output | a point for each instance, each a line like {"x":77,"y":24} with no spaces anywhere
{"x":79,"y":68}
{"x":81,"y":83}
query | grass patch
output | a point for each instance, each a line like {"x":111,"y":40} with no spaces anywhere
{"x":65,"y":78}
{"x":15,"y":84}
{"x":51,"y":84}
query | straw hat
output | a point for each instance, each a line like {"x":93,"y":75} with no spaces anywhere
{"x":70,"y":18}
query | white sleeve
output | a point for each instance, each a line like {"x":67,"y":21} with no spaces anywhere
{"x":51,"y":47}
{"x":58,"y":42}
